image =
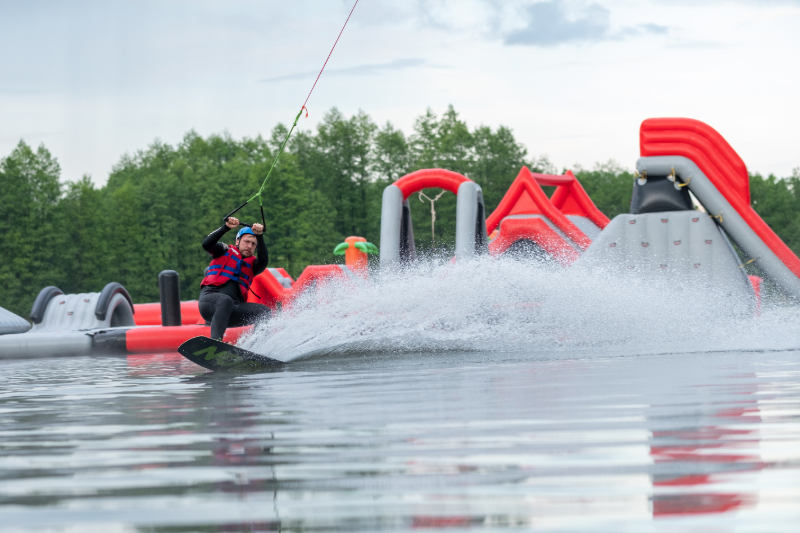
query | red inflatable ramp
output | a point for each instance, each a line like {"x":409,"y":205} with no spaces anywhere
{"x":525,"y":213}
{"x":535,"y":230}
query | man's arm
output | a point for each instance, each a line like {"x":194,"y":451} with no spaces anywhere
{"x":261,"y":250}
{"x":212,"y":245}
{"x":263,"y":255}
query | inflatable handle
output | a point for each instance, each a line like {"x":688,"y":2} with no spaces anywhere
{"x":40,"y":304}
{"x":101,"y":309}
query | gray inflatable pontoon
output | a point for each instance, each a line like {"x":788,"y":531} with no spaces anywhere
{"x":64,"y":324}
{"x":11,"y":323}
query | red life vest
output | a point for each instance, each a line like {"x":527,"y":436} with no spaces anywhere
{"x":231,"y":266}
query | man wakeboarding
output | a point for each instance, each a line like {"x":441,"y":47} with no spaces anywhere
{"x":223,"y":296}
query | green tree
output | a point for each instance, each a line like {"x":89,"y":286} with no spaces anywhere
{"x":776,"y":201}
{"x":29,"y":181}
{"x":392,"y":158}
{"x":337,"y":160}
{"x":609,"y":186}
{"x":82,"y":245}
{"x":166,"y":200}
{"x":160,"y":202}
{"x":498,"y":160}
{"x":301,"y":223}
{"x":490,"y":158}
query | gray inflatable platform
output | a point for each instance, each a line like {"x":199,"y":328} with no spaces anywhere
{"x":63,"y":324}
{"x":715,"y":203}
{"x":685,"y":244}
{"x":11,"y":323}
{"x":585,"y":225}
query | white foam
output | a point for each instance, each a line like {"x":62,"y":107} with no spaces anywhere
{"x":514,"y":306}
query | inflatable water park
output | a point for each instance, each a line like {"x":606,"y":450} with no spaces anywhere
{"x":690,"y":216}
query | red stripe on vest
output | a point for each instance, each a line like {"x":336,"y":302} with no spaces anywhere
{"x":231,"y":266}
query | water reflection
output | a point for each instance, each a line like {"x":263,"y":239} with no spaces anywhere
{"x":696,"y":462}
{"x":464,"y":441}
{"x":161,"y":364}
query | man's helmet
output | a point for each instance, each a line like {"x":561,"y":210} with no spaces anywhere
{"x":244,"y":231}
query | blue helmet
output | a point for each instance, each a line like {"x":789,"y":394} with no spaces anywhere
{"x":244,"y":231}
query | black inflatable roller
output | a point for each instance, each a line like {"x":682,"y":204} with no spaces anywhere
{"x":170,"y":290}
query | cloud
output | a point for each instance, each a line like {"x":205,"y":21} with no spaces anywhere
{"x":698,"y":44}
{"x":31,"y":137}
{"x":397,"y":64}
{"x":549,"y":24}
{"x":654,"y":28}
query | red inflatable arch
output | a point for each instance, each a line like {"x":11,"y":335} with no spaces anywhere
{"x":428,"y":179}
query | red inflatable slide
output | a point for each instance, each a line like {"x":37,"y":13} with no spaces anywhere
{"x":723,"y":167}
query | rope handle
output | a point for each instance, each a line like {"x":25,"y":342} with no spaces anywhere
{"x":229,"y":215}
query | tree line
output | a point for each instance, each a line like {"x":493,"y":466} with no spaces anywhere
{"x":160,"y":202}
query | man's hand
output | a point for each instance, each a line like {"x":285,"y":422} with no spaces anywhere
{"x":232,"y":222}
{"x":258,"y":229}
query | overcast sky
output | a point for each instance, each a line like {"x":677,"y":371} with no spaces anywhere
{"x":93,"y":80}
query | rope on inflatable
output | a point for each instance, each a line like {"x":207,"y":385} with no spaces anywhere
{"x":275,"y":161}
{"x":433,"y":211}
{"x":753,"y":260}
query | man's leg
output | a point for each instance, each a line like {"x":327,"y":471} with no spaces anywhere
{"x":217,"y":308}
{"x":248,"y":313}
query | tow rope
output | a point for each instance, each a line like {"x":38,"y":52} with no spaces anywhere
{"x":275,"y":161}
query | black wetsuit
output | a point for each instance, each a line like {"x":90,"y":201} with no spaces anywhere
{"x":223,"y":305}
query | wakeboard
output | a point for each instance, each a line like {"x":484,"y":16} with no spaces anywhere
{"x":221,"y":356}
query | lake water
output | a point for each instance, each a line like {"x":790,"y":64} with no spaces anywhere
{"x":461,"y":441}
{"x":496,"y":397}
